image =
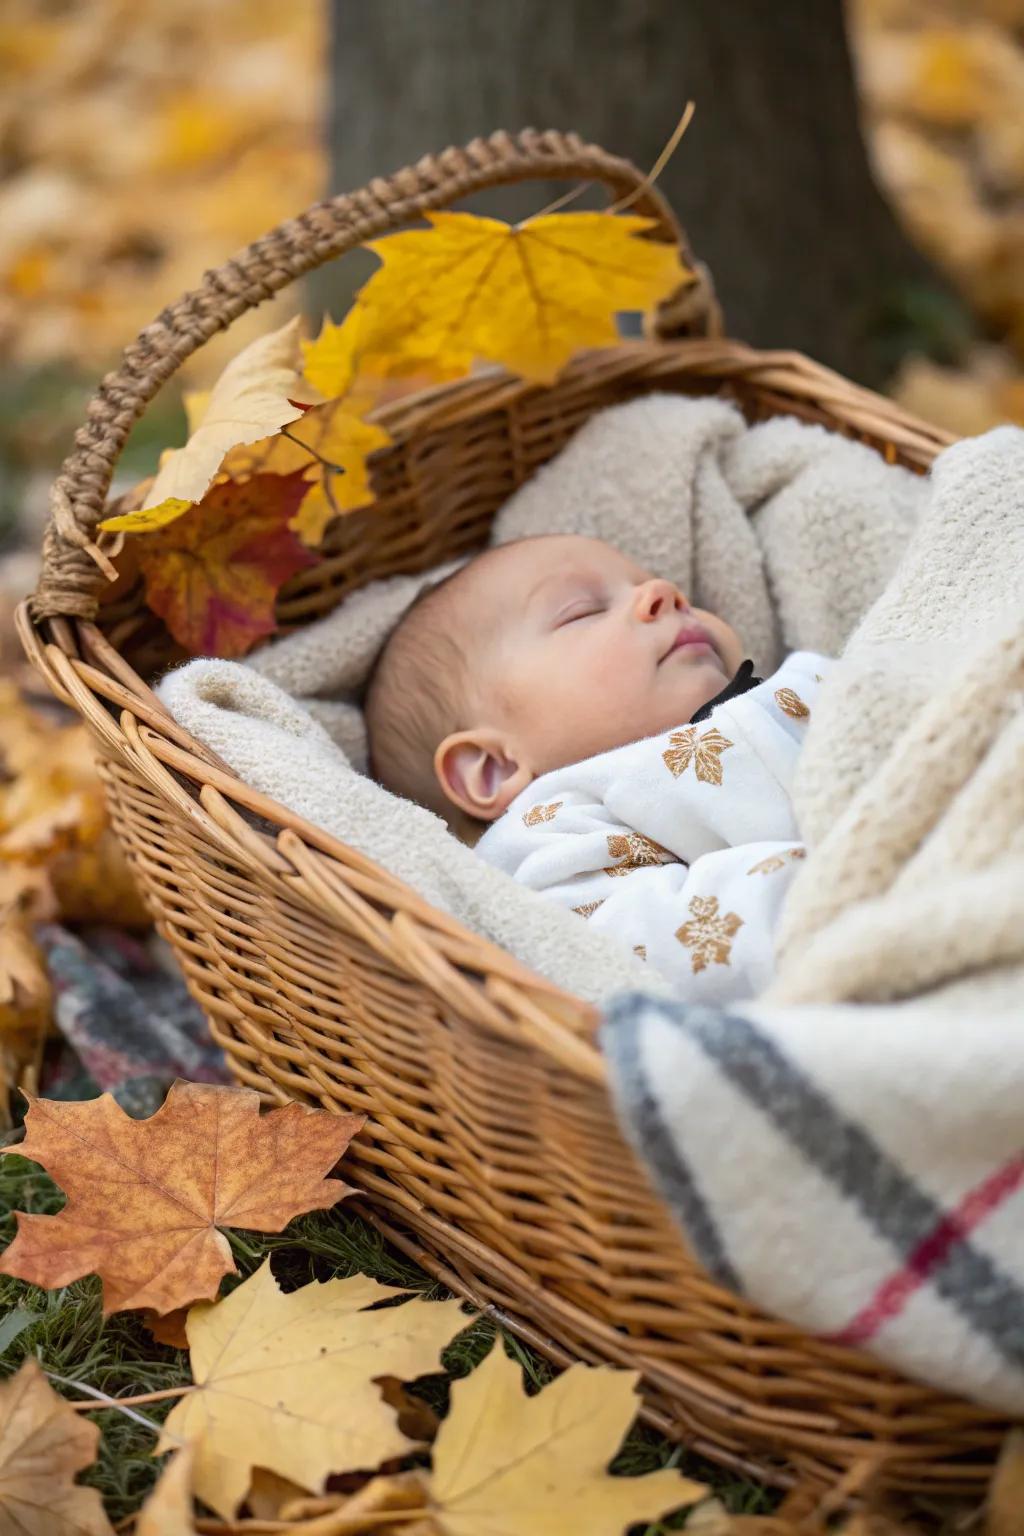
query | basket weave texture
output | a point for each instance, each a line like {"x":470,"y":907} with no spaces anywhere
{"x":492,"y":1154}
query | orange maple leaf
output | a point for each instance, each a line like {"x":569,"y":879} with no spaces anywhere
{"x":213,"y":574}
{"x":145,"y":1197}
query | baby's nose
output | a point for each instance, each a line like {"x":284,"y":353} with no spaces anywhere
{"x":656,"y":597}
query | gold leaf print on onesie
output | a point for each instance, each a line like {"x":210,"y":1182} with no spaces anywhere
{"x":791,"y":704}
{"x":775,"y":861}
{"x":709,"y":933}
{"x":641,"y":950}
{"x":636,"y":850}
{"x":588,"y":907}
{"x":703,"y":751}
{"x":538,"y":814}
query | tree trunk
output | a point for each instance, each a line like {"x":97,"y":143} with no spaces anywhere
{"x":771,"y":181}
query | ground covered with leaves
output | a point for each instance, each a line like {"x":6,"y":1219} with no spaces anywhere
{"x":66,"y":1331}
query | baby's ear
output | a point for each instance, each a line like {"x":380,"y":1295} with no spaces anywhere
{"x":479,"y":773}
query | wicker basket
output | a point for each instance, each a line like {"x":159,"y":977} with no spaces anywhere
{"x":492,"y":1154}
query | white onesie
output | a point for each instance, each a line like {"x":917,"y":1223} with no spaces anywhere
{"x":681,"y":845}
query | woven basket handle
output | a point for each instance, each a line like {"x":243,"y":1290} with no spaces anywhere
{"x":74,"y":570}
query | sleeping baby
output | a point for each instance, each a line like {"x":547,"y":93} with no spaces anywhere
{"x":605,"y":744}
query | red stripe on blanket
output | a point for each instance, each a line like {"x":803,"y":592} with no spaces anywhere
{"x":894,"y":1293}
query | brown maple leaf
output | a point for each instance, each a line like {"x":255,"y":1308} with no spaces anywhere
{"x":703,"y":750}
{"x":43,"y":1443}
{"x":709,"y":933}
{"x":636,"y":850}
{"x":145,"y":1197}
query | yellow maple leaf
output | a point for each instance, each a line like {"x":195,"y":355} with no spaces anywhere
{"x":148,"y":519}
{"x":284,"y":1381}
{"x":343,"y":484}
{"x":168,"y":1510}
{"x":524,"y":295}
{"x":251,"y":399}
{"x":43,"y":1443}
{"x":369,"y":350}
{"x":535,"y":1466}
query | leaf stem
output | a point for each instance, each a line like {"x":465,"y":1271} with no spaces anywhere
{"x":337,"y":469}
{"x":98,"y":1399}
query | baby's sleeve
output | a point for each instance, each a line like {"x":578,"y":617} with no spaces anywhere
{"x":708,"y":927}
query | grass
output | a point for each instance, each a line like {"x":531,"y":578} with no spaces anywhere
{"x":66,"y":1331}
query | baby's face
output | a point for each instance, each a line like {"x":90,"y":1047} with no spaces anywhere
{"x":581,"y":650}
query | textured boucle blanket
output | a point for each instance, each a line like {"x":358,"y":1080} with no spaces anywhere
{"x":849,"y":1151}
{"x":785,"y":528}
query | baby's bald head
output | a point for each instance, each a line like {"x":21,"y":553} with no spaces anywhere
{"x":421,"y":687}
{"x":535,"y":655}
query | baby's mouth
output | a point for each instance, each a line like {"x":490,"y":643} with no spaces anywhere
{"x":691,"y":637}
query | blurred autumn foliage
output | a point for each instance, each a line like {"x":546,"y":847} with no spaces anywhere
{"x":943,"y":91}
{"x":141,"y":142}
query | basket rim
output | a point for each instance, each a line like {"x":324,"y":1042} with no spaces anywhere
{"x":82,"y":666}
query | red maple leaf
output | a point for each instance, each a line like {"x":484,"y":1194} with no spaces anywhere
{"x":213,"y":575}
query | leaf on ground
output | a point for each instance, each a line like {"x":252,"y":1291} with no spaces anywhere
{"x":25,"y":992}
{"x":252,"y":398}
{"x":50,"y":793}
{"x":146,"y":1197}
{"x":285,"y":1381}
{"x":168,"y":1510}
{"x":213,"y":576}
{"x":43,"y":1443}
{"x":536,"y":1466}
{"x":166,"y":1327}
{"x":526,"y":295}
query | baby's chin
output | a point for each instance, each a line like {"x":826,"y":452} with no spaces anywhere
{"x":696,"y":680}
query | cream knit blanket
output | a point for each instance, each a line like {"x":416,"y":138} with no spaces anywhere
{"x":848,"y":1150}
{"x":786,"y":529}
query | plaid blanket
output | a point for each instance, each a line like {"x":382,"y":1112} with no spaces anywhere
{"x":872,"y":1192}
{"x":125,"y":1023}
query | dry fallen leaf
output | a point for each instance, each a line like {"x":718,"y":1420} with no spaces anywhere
{"x":214,"y":574}
{"x":43,"y":1443}
{"x":251,"y":399}
{"x":58,"y":860}
{"x":166,"y":1327}
{"x":145,"y":1197}
{"x":536,"y":1466}
{"x":526,"y":295}
{"x":168,"y":1510}
{"x":25,"y":992}
{"x":284,"y":1381}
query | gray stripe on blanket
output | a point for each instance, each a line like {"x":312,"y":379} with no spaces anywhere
{"x":652,"y":1139}
{"x":967,"y":1278}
